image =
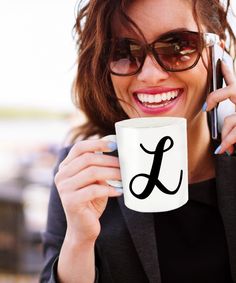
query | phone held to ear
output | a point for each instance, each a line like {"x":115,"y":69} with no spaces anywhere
{"x":226,"y":107}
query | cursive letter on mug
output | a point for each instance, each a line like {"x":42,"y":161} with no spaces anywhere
{"x":155,"y":170}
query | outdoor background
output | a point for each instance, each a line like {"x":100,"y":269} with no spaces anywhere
{"x":37,"y":67}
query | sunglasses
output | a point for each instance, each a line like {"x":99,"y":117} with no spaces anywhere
{"x":173,"y":51}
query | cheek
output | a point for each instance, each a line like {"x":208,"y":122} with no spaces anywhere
{"x":117,"y":84}
{"x":198,"y":80}
{"x":202,"y":81}
{"x":120,"y":85}
{"x":121,"y":88}
{"x":195,"y":81}
{"x":204,"y":69}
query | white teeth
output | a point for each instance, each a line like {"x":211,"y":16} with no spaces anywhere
{"x":150,"y":99}
{"x":156,"y":106}
{"x":164,"y":96}
{"x":157,"y":98}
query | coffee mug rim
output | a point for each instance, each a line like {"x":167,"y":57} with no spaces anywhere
{"x":127,"y":123}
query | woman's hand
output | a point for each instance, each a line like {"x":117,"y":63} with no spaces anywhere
{"x":228,"y":134}
{"x":80,"y":181}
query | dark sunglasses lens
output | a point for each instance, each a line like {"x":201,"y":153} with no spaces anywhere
{"x":178,"y":51}
{"x":126,"y":57}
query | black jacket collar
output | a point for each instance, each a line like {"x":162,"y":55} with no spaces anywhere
{"x":226,"y":195}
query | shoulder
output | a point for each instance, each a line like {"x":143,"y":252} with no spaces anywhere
{"x":63,"y":152}
{"x":61,"y":155}
{"x":225,"y":170}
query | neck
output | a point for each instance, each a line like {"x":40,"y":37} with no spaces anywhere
{"x":200,"y":151}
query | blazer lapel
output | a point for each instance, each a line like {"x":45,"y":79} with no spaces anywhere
{"x":226,"y":192}
{"x":142,"y":231}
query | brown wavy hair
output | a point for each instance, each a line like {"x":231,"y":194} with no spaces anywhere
{"x":93,"y":92}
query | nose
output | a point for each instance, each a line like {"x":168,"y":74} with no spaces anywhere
{"x":152,"y":72}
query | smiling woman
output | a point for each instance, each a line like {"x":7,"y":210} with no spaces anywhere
{"x":143,"y":59}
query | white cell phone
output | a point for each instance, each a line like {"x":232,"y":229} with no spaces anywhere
{"x":225,"y":108}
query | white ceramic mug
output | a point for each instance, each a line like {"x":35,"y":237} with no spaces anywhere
{"x":153,"y":161}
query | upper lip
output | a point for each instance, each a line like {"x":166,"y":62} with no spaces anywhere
{"x":156,"y":90}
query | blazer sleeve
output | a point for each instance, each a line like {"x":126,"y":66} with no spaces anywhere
{"x":54,"y":234}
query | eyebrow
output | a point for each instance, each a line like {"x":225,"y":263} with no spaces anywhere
{"x":162,"y":34}
{"x":175,"y":30}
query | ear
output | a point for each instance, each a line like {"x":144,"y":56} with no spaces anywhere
{"x":222,"y":43}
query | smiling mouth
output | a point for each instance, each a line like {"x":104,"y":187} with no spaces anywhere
{"x":158,"y":100}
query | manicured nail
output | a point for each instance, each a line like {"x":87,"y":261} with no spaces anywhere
{"x":118,"y":190}
{"x":204,"y":107}
{"x":112,"y":146}
{"x":228,"y":153}
{"x":218,"y":149}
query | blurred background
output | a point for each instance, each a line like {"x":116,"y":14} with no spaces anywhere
{"x":37,"y":55}
{"x":37,"y":67}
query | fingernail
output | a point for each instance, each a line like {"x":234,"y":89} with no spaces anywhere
{"x":204,"y":107}
{"x":118,"y":190}
{"x":228,"y":153}
{"x":218,"y":149}
{"x":112,"y":146}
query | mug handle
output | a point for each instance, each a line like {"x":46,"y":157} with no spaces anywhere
{"x":113,"y":183}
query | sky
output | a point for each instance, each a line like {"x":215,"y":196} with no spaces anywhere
{"x":37,"y":53}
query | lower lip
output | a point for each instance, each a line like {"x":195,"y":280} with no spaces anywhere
{"x":159,"y":109}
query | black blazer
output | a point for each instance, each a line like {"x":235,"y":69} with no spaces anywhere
{"x":126,"y":250}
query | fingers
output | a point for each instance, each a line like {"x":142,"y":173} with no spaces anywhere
{"x":229,"y":124}
{"x":86,"y":177}
{"x":220,"y":95}
{"x":85,"y":170}
{"x":228,"y":135}
{"x":87,"y":194}
{"x":227,"y":73}
{"x":88,"y":200}
{"x":97,"y":191}
{"x":88,"y":146}
{"x":88,"y":159}
{"x":228,"y":92}
{"x":80,"y":184}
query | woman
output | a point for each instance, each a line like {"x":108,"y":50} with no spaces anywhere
{"x":129,"y":53}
